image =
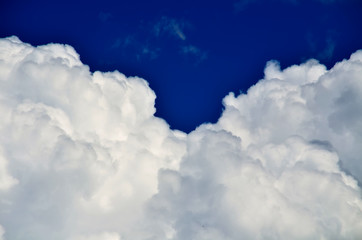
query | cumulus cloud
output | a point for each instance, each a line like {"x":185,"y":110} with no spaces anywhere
{"x":81,"y":150}
{"x":83,"y":156}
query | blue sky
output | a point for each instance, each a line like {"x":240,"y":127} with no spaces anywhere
{"x":192,"y":53}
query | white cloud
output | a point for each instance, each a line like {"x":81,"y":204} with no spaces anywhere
{"x":102,"y":236}
{"x":2,"y":233}
{"x":83,"y":156}
{"x":6,"y":181}
{"x":84,"y":147}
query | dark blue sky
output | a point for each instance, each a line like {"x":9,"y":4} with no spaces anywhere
{"x":191,"y":52}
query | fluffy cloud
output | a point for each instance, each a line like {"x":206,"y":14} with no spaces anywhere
{"x":81,"y":150}
{"x":83,"y":156}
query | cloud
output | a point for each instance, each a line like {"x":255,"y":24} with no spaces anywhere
{"x":1,"y":233}
{"x":102,"y":236}
{"x":171,"y":27}
{"x":278,"y":191}
{"x":84,"y":157}
{"x":147,"y":45}
{"x":6,"y":180}
{"x":84,"y":149}
{"x":125,"y":42}
{"x":150,"y":52}
{"x":195,"y":52}
{"x":323,"y":50}
{"x":140,"y":50}
{"x":328,"y":51}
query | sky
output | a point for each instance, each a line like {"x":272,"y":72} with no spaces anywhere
{"x":192,"y":53}
{"x":160,"y":121}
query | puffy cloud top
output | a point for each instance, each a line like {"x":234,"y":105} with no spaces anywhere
{"x":82,"y":155}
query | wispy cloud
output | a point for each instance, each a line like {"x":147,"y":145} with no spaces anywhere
{"x":140,"y":50}
{"x":191,"y":50}
{"x":145,"y":42}
{"x":322,"y":49}
{"x":123,"y":42}
{"x":171,"y":26}
{"x":328,"y":51}
{"x":150,"y":52}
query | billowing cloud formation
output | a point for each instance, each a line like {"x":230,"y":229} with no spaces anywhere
{"x":80,"y":151}
{"x":83,"y":157}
